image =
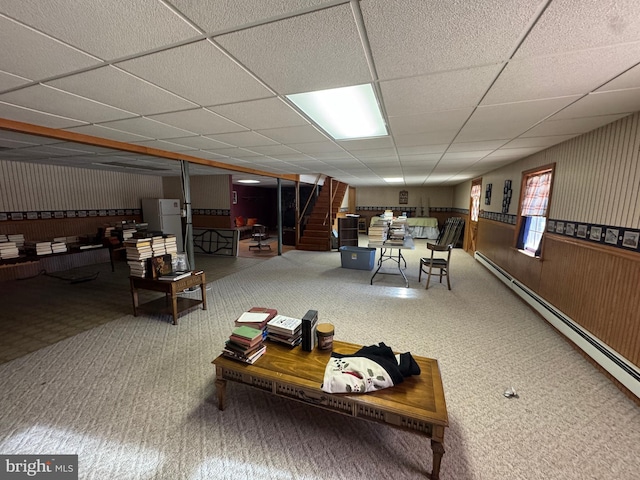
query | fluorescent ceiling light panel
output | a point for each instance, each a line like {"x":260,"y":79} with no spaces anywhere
{"x":248,"y":181}
{"x":393,"y":179}
{"x":344,"y":113}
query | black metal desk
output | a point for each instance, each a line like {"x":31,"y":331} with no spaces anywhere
{"x":387,"y":254}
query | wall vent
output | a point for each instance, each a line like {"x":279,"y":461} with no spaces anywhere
{"x":614,"y":363}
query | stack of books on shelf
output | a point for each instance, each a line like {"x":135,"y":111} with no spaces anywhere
{"x":283,"y":329}
{"x":174,"y":276}
{"x":378,"y":230}
{"x":16,"y":237}
{"x":138,"y":250}
{"x":8,"y":249}
{"x":245,"y":344}
{"x":58,"y":247}
{"x":39,"y":248}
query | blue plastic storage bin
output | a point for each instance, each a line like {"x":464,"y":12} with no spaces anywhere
{"x":359,"y":258}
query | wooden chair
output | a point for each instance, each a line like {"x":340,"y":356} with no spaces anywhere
{"x":446,"y":241}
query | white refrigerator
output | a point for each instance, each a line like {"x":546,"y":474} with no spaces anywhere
{"x":163,"y":214}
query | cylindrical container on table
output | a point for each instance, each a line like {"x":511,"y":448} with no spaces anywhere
{"x":325,"y":333}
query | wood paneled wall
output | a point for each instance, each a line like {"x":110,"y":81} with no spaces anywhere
{"x":62,"y":227}
{"x":595,"y":285}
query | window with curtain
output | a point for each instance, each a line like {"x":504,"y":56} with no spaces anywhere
{"x":532,"y":216}
{"x":475,"y":201}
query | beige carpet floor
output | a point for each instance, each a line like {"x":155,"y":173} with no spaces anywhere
{"x":135,"y":397}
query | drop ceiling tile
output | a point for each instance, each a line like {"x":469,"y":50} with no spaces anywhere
{"x":438,"y":92}
{"x":272,"y":150}
{"x":115,"y":87}
{"x":199,"y":120}
{"x":216,"y":15}
{"x":164,"y":145}
{"x":236,"y":153}
{"x":375,"y":153}
{"x":243,"y":139}
{"x":422,"y":139}
{"x":302,"y":134}
{"x":200,"y":142}
{"x":421,"y":149}
{"x":430,"y":122}
{"x":110,"y":133}
{"x":571,"y":126}
{"x":538,"y":141}
{"x":605,"y":103}
{"x":316,"y":51}
{"x":576,"y":25}
{"x":261,"y":114}
{"x":561,"y":75}
{"x":509,"y":120}
{"x":57,"y":102}
{"x":465,"y":156}
{"x":107,"y":29}
{"x":629,"y":79}
{"x":35,"y":56}
{"x":403,"y":34}
{"x":202,"y":67}
{"x":8,"y":81}
{"x":366,"y":143}
{"x":317,"y":149}
{"x":421,"y":158}
{"x":513,"y":152}
{"x":471,"y":146}
{"x":148,"y":128}
{"x":21,"y":114}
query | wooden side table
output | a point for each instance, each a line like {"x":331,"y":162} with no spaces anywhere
{"x":171,"y":289}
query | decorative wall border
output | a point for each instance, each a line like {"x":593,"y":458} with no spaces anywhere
{"x":214,"y":212}
{"x":413,"y":211}
{"x":612,"y":235}
{"x":58,"y":214}
{"x":500,"y":217}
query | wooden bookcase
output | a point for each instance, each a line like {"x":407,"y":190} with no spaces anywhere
{"x":348,"y":231}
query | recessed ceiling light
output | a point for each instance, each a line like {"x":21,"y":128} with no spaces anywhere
{"x":393,"y":179}
{"x":344,"y":113}
{"x":248,"y":181}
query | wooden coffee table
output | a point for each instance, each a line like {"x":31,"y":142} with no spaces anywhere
{"x":417,"y":404}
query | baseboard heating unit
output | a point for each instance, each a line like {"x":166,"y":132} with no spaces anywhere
{"x":614,"y":363}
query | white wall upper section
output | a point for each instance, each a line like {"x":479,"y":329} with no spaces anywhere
{"x":30,"y":186}
{"x":425,"y":197}
{"x":207,"y":191}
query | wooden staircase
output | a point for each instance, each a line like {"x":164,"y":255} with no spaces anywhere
{"x":317,"y":232}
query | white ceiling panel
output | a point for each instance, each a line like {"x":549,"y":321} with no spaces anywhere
{"x":108,"y":133}
{"x":199,"y":120}
{"x":603,"y":103}
{"x":430,"y":122}
{"x":562,"y":74}
{"x":568,"y":25}
{"x":30,"y":54}
{"x":51,"y":100}
{"x":115,"y":87}
{"x":299,"y":54}
{"x":147,"y":127}
{"x":403,"y":33}
{"x":199,"y":72}
{"x":108,"y":29}
{"x":438,"y":92}
{"x":216,"y":15}
{"x":570,"y":126}
{"x":243,"y":139}
{"x":22,"y":114}
{"x":9,"y":81}
{"x":262,"y":114}
{"x":480,"y":80}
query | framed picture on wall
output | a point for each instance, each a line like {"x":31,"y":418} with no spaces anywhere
{"x":234,"y":197}
{"x":404,"y":197}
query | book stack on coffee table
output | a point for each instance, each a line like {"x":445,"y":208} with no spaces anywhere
{"x":283,"y":329}
{"x":245,"y":344}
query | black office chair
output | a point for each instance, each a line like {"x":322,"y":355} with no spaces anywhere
{"x":258,"y":234}
{"x":446,"y":241}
